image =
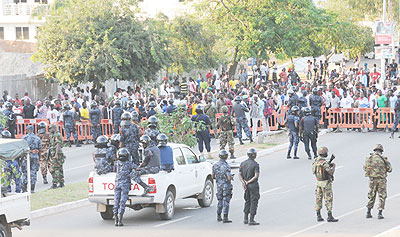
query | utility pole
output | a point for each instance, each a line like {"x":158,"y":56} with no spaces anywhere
{"x":383,"y":71}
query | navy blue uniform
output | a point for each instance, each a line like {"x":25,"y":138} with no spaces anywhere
{"x":130,"y":140}
{"x":69,"y":127}
{"x":35,"y":145}
{"x":166,"y":158}
{"x":309,"y":125}
{"x":122,"y":186}
{"x":221,"y":172}
{"x":203,"y":134}
{"x":94,"y":117}
{"x":117,"y":111}
{"x":292,"y":120}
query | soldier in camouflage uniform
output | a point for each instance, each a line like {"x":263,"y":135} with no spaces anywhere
{"x":44,"y":163}
{"x":223,"y":176}
{"x":152,"y":130}
{"x":376,"y":168}
{"x":226,"y":124}
{"x":103,"y":156}
{"x":35,"y":145}
{"x":56,"y":157}
{"x":12,"y":169}
{"x":324,"y":171}
{"x":129,"y":134}
{"x":94,"y":117}
{"x":211,"y":111}
{"x":122,"y":184}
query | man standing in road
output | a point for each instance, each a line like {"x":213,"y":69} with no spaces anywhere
{"x":323,"y":171}
{"x":69,"y":125}
{"x":241,"y":121}
{"x":293,"y":124}
{"x":221,"y":172}
{"x":94,"y":118}
{"x":35,"y":145}
{"x":152,"y":130}
{"x":211,"y":111}
{"x":56,"y":157}
{"x":316,"y":102}
{"x":11,"y":119}
{"x":249,"y":173}
{"x":309,"y":132}
{"x":44,"y":163}
{"x":226,"y":125}
{"x":376,"y":168}
{"x":397,"y":115}
{"x":202,"y":123}
{"x":116,"y":115}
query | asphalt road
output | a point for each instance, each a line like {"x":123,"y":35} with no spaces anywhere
{"x":286,"y":206}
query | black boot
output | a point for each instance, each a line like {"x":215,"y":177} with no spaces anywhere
{"x":45,"y":180}
{"x":295,"y":155}
{"x":62,"y":185}
{"x":251,"y":140}
{"x":54,"y":186}
{"x":69,"y":143}
{"x":24,"y":188}
{"x":288,"y":155}
{"x":319,"y":217}
{"x":246,"y":218}
{"x":32,"y":188}
{"x":146,"y":187}
{"x":309,"y":155}
{"x":120,"y":216}
{"x":241,"y":142}
{"x":116,"y":219}
{"x":380,"y":216}
{"x":331,"y":218}
{"x":369,"y":213}
{"x":226,"y":220}
{"x":78,"y":144}
{"x":219,"y":218}
{"x":232,"y":156}
{"x":252,"y":221}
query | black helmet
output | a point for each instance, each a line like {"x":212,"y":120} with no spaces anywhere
{"x":152,"y":121}
{"x":30,"y":128}
{"x":223,"y":154}
{"x":67,"y":106}
{"x":5,"y":134}
{"x":115,"y":139}
{"x":152,"y":104}
{"x":123,"y":154}
{"x":162,"y":139}
{"x":101,"y":142}
{"x":135,"y":116}
{"x":315,"y":91}
{"x":11,"y":117}
{"x":145,"y":140}
{"x":238,"y":98}
{"x":126,"y":116}
{"x":42,"y":127}
{"x":171,"y":101}
{"x":307,"y":111}
{"x":131,"y":103}
{"x":294,"y":109}
{"x":199,"y":109}
{"x":9,"y":104}
{"x":117,"y":102}
{"x":252,"y":153}
{"x":93,"y":104}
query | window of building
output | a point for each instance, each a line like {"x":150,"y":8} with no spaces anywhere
{"x":22,"y":33}
{"x":41,"y":1}
{"x":1,"y":33}
{"x":20,"y":1}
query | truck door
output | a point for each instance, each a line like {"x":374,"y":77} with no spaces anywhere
{"x":193,"y":165}
{"x":182,"y":174}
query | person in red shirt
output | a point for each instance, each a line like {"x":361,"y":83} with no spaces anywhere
{"x":209,"y":75}
{"x":375,"y":76}
{"x":336,"y":90}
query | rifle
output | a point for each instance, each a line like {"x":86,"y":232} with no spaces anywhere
{"x":48,"y":155}
{"x":330,"y":162}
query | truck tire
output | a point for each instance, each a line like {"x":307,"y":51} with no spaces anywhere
{"x":108,"y":214}
{"x":169,"y":206}
{"x":207,"y":196}
{"x":5,"y":232}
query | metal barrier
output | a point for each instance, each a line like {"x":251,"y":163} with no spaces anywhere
{"x":385,"y":118}
{"x":350,"y":118}
{"x":21,"y":125}
{"x":107,"y":127}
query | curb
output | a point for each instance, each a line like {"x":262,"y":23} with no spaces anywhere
{"x":59,"y":208}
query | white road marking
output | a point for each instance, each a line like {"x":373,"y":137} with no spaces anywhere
{"x":78,"y":167}
{"x":388,"y":231}
{"x":271,"y":190}
{"x":339,"y":217}
{"x":191,"y":208}
{"x":174,"y":221}
{"x":339,"y":167}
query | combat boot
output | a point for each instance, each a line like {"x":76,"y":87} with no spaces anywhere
{"x":54,"y":186}
{"x":241,"y":142}
{"x":226,"y":220}
{"x":331,"y":218}
{"x":62,"y":185}
{"x":319,"y":217}
{"x":309,"y":155}
{"x":120,"y":216}
{"x":369,"y":213}
{"x":380,"y":216}
{"x":78,"y":144}
{"x":288,"y":155}
{"x":32,"y":188}
{"x":146,"y":187}
{"x":45,"y":180}
{"x":232,"y":156}
{"x":219,"y":218}
{"x":69,"y":143}
{"x":295,"y":155}
{"x":246,"y":218}
{"x":24,"y":188}
{"x":252,"y":221}
{"x":251,"y":140}
{"x":392,"y":135}
{"x":116,"y":219}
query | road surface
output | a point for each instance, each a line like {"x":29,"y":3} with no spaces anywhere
{"x":286,"y":206}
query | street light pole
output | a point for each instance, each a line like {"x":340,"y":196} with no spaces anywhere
{"x":383,"y":73}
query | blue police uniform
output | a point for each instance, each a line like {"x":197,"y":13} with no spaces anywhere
{"x":222,"y":170}
{"x":103,"y":160}
{"x":34,"y":143}
{"x":152,"y":160}
{"x":117,"y":111}
{"x":171,"y":109}
{"x":396,"y":115}
{"x":151,"y":112}
{"x":316,"y":103}
{"x":308,"y":124}
{"x":122,"y":185}
{"x":167,"y":158}
{"x":152,"y":133}
{"x":69,"y":128}
{"x":130,"y":138}
{"x":241,"y":121}
{"x":10,"y":124}
{"x":203,"y":134}
{"x":94,"y":117}
{"x":293,"y":133}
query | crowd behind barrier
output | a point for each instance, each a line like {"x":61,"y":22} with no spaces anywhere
{"x":354,"y":118}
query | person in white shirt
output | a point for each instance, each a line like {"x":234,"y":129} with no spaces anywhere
{"x":52,"y":115}
{"x":217,"y":84}
{"x":346,"y":102}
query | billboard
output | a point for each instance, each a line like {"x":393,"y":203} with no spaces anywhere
{"x":384,"y":51}
{"x":383,"y":32}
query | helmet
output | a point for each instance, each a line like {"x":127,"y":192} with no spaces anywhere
{"x":115,"y":139}
{"x":209,"y":98}
{"x":52,"y":128}
{"x":123,"y":154}
{"x":5,"y":134}
{"x":135,"y":116}
{"x":223,"y":154}
{"x":315,"y":90}
{"x":224,"y":109}
{"x":30,"y":128}
{"x":290,"y":92}
{"x":126,"y":116}
{"x":294,"y":109}
{"x":162,"y":139}
{"x":152,"y":104}
{"x":153,"y":121}
{"x":93,"y":104}
{"x":378,"y":147}
{"x":307,"y":111}
{"x":131,"y":103}
{"x":117,"y":102}
{"x":323,"y":151}
{"x":145,"y":140}
{"x":252,"y":153}
{"x":9,"y":105}
{"x":171,"y":101}
{"x":125,"y":122}
{"x":42,"y":127}
{"x":199,"y":109}
{"x":293,"y":88}
{"x":67,"y":106}
{"x":238,"y":98}
{"x":101,"y":142}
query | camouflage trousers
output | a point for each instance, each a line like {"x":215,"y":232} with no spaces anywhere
{"x":214,"y":127}
{"x":226,"y":137}
{"x":96,"y":132}
{"x":224,"y":196}
{"x":34,"y":167}
{"x":121,"y":193}
{"x":324,"y":191}
{"x":70,"y":130}
{"x":57,"y":169}
{"x":12,"y":171}
{"x":44,"y":163}
{"x":377,"y":185}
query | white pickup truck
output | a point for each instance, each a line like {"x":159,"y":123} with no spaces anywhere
{"x":192,"y":178}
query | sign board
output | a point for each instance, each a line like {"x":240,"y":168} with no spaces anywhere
{"x":384,"y":51}
{"x":251,"y":61}
{"x":383,"y":32}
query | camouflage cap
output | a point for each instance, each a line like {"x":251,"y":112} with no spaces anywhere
{"x":322,"y":150}
{"x":378,"y":147}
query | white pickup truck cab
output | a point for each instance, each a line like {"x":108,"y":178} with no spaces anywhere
{"x":192,"y":178}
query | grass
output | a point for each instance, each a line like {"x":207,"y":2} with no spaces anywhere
{"x":54,"y":197}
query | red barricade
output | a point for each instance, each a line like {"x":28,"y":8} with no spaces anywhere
{"x":107,"y":127}
{"x":21,"y":125}
{"x":350,"y":118}
{"x":385,"y":118}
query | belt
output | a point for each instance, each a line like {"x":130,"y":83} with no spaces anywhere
{"x":35,"y":151}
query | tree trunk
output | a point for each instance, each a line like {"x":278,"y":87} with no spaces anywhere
{"x":233,"y":67}
{"x":291,"y":60}
{"x":331,"y":54}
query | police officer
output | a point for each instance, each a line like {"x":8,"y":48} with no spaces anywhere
{"x":56,"y":156}
{"x":113,"y":145}
{"x":44,"y":163}
{"x":309,"y":132}
{"x":117,"y":111}
{"x":397,"y":115}
{"x":171,"y":107}
{"x":226,"y":124}
{"x":135,"y":121}
{"x":11,"y":119}
{"x":166,"y":154}
{"x":122,"y":184}
{"x":221,"y":172}
{"x":323,"y":171}
{"x":131,"y":106}
{"x":239,"y":111}
{"x":150,"y":164}
{"x":35,"y":145}
{"x":129,"y":135}
{"x":249,"y":172}
{"x":69,"y":125}
{"x":292,"y":123}
{"x":211,"y":111}
{"x":292,"y":98}
{"x":376,"y":168}
{"x":94,"y":118}
{"x":152,"y":111}
{"x":103,"y":156}
{"x":302,"y":103}
{"x":152,"y":130}
{"x":202,"y":131}
{"x":12,"y":168}
{"x":316,"y":102}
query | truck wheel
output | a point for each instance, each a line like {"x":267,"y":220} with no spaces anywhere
{"x":208,"y":194}
{"x":5,"y":232}
{"x":169,"y":206}
{"x":108,"y":214}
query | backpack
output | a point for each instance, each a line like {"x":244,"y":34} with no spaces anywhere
{"x":267,"y":109}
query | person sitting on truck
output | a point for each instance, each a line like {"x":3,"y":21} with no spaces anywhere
{"x":12,"y":168}
{"x":122,"y":184}
{"x":102,"y":156}
{"x":113,"y":145}
{"x":150,"y":164}
{"x":166,"y":155}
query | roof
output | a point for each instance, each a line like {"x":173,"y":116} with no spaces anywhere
{"x":12,"y":148}
{"x":18,"y":64}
